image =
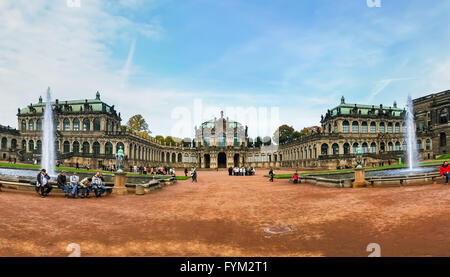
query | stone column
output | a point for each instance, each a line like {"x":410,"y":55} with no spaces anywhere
{"x":119,"y":184}
{"x":360,"y":179}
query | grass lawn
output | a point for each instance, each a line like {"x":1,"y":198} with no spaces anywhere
{"x":444,"y":157}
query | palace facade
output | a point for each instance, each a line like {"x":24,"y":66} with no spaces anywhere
{"x":88,"y":132}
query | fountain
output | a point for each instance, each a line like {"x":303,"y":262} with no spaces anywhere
{"x":48,"y":138}
{"x":411,"y":140}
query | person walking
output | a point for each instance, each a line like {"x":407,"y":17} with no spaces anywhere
{"x":271,"y":173}
{"x":194,"y":175}
{"x":445,"y":171}
{"x":185,"y":171}
{"x":230,"y":171}
{"x":42,"y":183}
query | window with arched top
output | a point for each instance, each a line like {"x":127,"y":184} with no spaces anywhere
{"x":443,"y":116}
{"x":390,"y":128}
{"x":97,"y":124}
{"x":76,"y":147}
{"x":96,"y":148}
{"x":24,"y":125}
{"x":39,"y":146}
{"x":31,"y":125}
{"x":345,"y":126}
{"x":355,"y":147}
{"x":86,"y":125}
{"x":66,"y":147}
{"x":324,"y":149}
{"x":66,"y":124}
{"x":397,"y":127}
{"x":355,"y":127}
{"x":13,"y":144}
{"x":428,"y":144}
{"x":76,"y":124}
{"x":86,"y":147}
{"x":364,"y":128}
{"x":390,"y":146}
{"x":335,"y":147}
{"x":346,"y":149}
{"x":108,"y":148}
{"x":373,"y":127}
{"x":373,"y":148}
{"x":365,"y":148}
{"x":382,"y":127}
{"x":39,"y":125}
{"x":397,"y":146}
{"x":31,"y":146}
{"x":4,"y":143}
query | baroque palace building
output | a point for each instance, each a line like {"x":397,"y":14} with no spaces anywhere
{"x":88,"y":132}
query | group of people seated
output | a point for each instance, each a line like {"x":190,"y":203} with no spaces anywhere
{"x":72,"y":186}
{"x":241,"y":171}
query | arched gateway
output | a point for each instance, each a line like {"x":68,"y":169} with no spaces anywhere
{"x":222,"y":160}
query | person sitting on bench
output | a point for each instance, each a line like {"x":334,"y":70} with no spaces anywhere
{"x":42,"y":184}
{"x":97,"y":182}
{"x":85,"y":185}
{"x":74,"y":182}
{"x":445,"y":171}
{"x":295,"y":177}
{"x":61,"y":181}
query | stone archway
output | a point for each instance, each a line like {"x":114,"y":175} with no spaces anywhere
{"x":236,"y":160}
{"x":222,"y":160}
{"x":207,"y":161}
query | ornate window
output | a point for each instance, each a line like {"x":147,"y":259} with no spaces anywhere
{"x":108,"y":148}
{"x":31,"y":125}
{"x":365,"y":148}
{"x":345,"y":126}
{"x":324,"y":149}
{"x":335,"y":149}
{"x":66,"y":147}
{"x":428,"y":144}
{"x":86,"y":147}
{"x":389,"y":128}
{"x":397,"y":146}
{"x":76,"y":124}
{"x":382,"y":129}
{"x":66,"y":124}
{"x":86,"y":125}
{"x":97,"y":124}
{"x":355,"y":127}
{"x":24,"y":125}
{"x":443,"y":116}
{"x":373,"y":127}
{"x":31,"y":146}
{"x":364,"y":128}
{"x":373,"y":148}
{"x":96,"y":148}
{"x":76,"y":147}
{"x":4,"y":143}
{"x":346,"y":149}
{"x":397,"y":127}
{"x":39,"y":125}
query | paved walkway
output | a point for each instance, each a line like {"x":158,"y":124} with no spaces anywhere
{"x":226,"y":216}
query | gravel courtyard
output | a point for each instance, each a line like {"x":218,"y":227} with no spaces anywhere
{"x":225,"y":215}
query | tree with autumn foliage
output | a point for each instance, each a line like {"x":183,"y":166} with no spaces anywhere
{"x":137,"y":125}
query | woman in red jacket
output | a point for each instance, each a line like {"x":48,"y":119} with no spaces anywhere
{"x":445,"y":171}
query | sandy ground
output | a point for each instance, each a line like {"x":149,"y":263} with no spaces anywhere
{"x":226,"y":216}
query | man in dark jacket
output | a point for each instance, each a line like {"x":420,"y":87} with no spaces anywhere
{"x":62,"y":183}
{"x":42,"y":183}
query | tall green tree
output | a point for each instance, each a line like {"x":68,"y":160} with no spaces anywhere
{"x":283,"y":134}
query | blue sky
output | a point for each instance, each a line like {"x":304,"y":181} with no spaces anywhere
{"x":152,"y":57}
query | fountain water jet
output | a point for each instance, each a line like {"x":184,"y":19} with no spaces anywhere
{"x":48,"y":138}
{"x":411,"y":140}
